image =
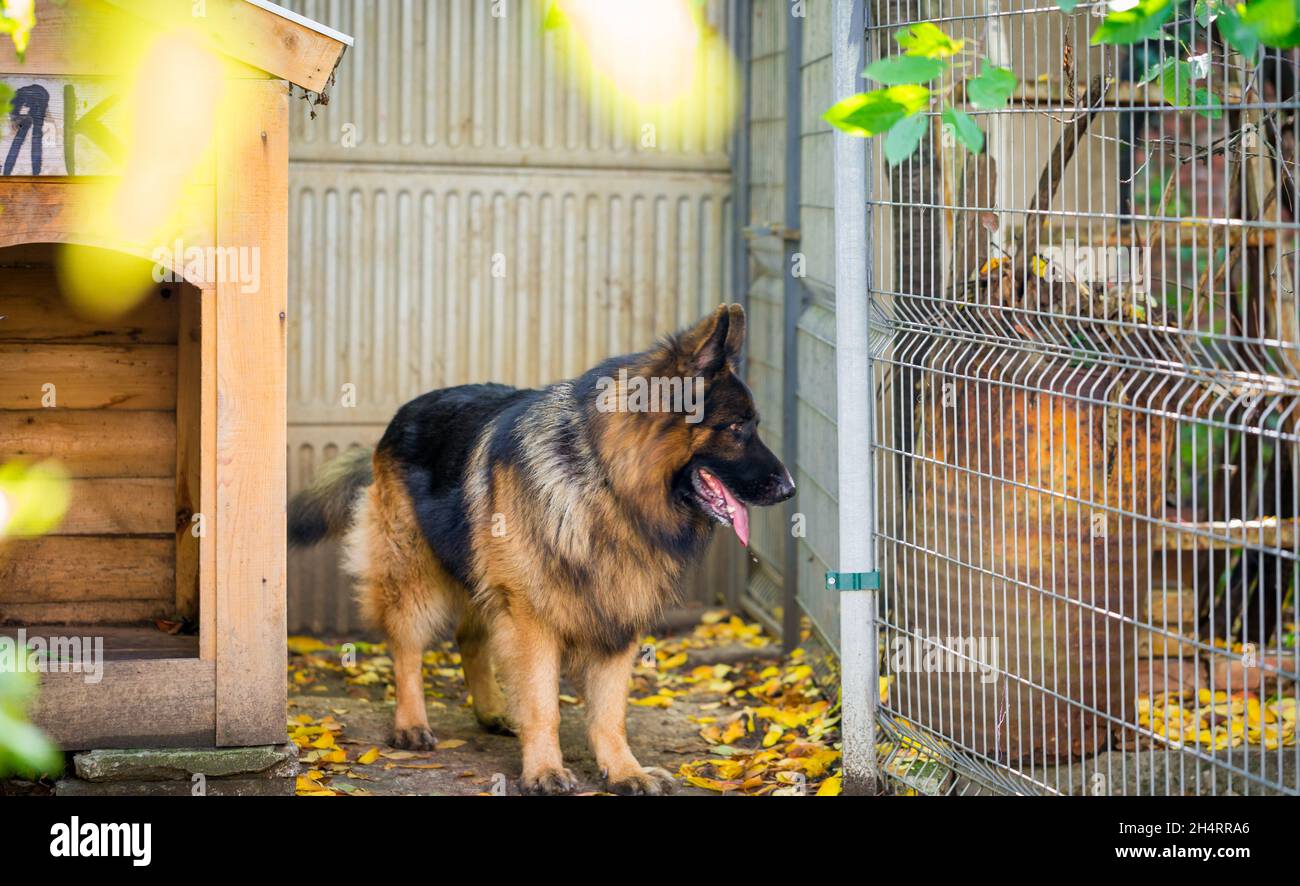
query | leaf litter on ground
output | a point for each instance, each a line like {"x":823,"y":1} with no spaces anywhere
{"x":768,"y":726}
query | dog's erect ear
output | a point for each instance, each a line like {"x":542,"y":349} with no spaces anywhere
{"x":716,"y":340}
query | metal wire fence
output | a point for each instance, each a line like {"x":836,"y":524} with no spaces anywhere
{"x":1087,"y":426}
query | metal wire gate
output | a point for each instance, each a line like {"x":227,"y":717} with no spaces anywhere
{"x":1086,"y":426}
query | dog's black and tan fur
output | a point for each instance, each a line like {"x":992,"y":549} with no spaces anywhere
{"x":550,"y":531}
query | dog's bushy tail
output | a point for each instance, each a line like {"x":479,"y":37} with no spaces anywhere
{"x":324,"y":509}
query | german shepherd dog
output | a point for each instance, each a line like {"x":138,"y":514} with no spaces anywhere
{"x":551,"y":527}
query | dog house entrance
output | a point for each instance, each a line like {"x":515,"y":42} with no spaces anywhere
{"x":116,"y":403}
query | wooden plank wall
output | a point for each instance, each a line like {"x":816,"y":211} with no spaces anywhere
{"x":113,"y":427}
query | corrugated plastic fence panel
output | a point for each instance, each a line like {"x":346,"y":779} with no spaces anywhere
{"x":459,"y":213}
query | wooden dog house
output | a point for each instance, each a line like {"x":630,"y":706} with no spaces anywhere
{"x":170,"y":416}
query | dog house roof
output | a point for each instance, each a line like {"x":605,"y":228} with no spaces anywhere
{"x":262,"y":34}
{"x":302,"y":20}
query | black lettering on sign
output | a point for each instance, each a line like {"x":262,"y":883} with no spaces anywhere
{"x":28,"y":114}
{"x":90,"y":126}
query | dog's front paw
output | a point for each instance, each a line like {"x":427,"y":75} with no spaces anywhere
{"x":649,"y":782}
{"x":414,"y":738}
{"x":549,"y":781}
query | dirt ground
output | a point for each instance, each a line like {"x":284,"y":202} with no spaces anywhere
{"x":716,"y":705}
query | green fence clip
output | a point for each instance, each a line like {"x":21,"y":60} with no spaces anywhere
{"x":853,"y":581}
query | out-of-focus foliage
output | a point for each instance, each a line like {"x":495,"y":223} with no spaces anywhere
{"x":24,"y":749}
{"x":33,"y":498}
{"x":928,"y":53}
{"x":17,"y":18}
{"x":897,"y":109}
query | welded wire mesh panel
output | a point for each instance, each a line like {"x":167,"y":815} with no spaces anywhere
{"x":1088,"y":431}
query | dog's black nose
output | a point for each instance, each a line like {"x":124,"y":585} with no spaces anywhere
{"x":782,"y":487}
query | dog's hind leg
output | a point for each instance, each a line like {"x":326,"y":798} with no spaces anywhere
{"x":481,"y":675}
{"x":417,"y":612}
{"x":529,"y":656}
{"x":605,"y":683}
{"x":402,"y":590}
{"x":411,"y":720}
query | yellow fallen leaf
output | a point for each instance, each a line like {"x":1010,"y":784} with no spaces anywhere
{"x":449,"y":744}
{"x":735,"y":730}
{"x":711,"y":784}
{"x":831,"y":787}
{"x":675,"y":661}
{"x":326,"y":740}
{"x":304,"y":645}
{"x":399,"y":755}
{"x":307,"y":786}
{"x":652,"y":701}
{"x":369,"y":757}
{"x":729,"y":769}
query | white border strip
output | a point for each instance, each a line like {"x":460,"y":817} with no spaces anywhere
{"x":302,"y":20}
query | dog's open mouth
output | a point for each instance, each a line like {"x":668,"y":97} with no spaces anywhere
{"x":717,"y":501}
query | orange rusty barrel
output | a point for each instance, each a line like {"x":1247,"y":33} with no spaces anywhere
{"x":1023,"y":550}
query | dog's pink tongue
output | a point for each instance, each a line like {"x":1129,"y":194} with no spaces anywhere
{"x":739,"y":516}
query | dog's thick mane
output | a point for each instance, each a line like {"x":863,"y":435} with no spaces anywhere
{"x":618,"y":464}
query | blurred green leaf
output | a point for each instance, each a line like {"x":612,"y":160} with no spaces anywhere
{"x":1271,"y":20}
{"x":904,"y":137}
{"x":991,"y":89}
{"x":901,"y":69}
{"x":1236,"y":33}
{"x":1214,"y":109}
{"x":1156,"y":69}
{"x":1176,"y":86}
{"x":24,"y":749}
{"x":965,"y":129}
{"x":871,"y":113}
{"x":17,"y":18}
{"x":1133,"y":25}
{"x":554,"y":18}
{"x":33,"y":497}
{"x":926,"y":39}
{"x":1274,"y":23}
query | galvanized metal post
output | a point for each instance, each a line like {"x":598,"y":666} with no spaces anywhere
{"x":792,"y":292}
{"x":859,"y":685}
